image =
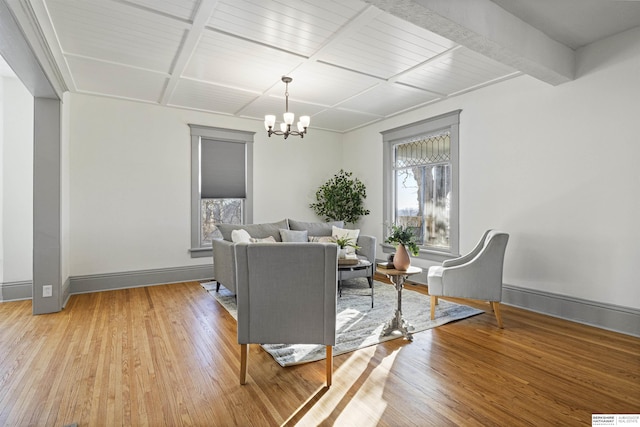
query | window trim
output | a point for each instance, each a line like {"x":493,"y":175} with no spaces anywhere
{"x":402,"y":134}
{"x":199,"y":132}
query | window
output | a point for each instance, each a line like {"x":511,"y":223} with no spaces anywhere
{"x":221,"y":183}
{"x":421,"y":183}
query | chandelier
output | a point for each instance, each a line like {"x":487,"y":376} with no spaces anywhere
{"x":285,"y":126}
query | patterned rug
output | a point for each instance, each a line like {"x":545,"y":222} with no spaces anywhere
{"x":358,"y":325}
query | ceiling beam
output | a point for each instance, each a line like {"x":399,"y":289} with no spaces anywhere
{"x":188,"y":47}
{"x":486,"y":28}
{"x":33,"y":62}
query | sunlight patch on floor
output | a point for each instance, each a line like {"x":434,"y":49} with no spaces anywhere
{"x":355,"y":398}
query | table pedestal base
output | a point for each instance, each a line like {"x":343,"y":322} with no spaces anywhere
{"x":397,"y":323}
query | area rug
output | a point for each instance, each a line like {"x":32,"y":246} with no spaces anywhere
{"x":357,"y":324}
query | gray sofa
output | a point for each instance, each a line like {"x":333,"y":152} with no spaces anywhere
{"x":224,"y":261}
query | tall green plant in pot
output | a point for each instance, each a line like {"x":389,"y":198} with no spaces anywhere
{"x":341,"y":198}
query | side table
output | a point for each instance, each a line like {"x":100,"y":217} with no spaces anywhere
{"x":362,"y":264}
{"x":397,"y":323}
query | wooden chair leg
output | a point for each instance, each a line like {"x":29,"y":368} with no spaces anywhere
{"x":244,"y":355}
{"x":329,"y":365}
{"x":434,"y":302}
{"x":496,"y":310}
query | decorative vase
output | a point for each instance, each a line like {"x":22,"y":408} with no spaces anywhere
{"x":342,"y":253}
{"x":401,"y":260}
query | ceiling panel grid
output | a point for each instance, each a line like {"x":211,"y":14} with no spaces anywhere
{"x":203,"y":96}
{"x":116,"y":33}
{"x":353,"y":61}
{"x":385,"y":47}
{"x":182,"y":9}
{"x":222,"y":59}
{"x":298,"y":27}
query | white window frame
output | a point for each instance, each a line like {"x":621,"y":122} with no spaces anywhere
{"x":198,"y":133}
{"x":425,"y":128}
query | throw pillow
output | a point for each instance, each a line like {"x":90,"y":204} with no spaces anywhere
{"x":240,"y":236}
{"x":321,"y":239}
{"x":269,"y":239}
{"x":344,"y":232}
{"x":293,"y":235}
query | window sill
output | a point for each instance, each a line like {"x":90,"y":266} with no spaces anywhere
{"x":201,"y":252}
{"x":426,"y":254}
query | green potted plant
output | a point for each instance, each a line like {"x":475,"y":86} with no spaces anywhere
{"x":343,"y":243}
{"x":404,"y":240}
{"x":341,"y":198}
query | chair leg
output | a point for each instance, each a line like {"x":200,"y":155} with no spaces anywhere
{"x":329,"y":365}
{"x":434,"y":302}
{"x":496,"y":310}
{"x":217,"y":286}
{"x":244,"y":355}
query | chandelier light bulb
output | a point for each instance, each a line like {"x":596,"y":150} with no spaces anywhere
{"x":305,"y":120}
{"x":269,"y":121}
{"x":283,"y":127}
{"x":289,"y":118}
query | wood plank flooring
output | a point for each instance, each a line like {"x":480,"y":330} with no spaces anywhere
{"x":168,"y":355}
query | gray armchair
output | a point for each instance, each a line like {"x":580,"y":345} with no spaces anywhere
{"x":278,"y":303}
{"x":476,"y":275}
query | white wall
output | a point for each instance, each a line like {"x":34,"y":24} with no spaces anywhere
{"x":16,"y":180}
{"x":129,"y":181}
{"x":556,"y":167}
{"x":553,"y":166}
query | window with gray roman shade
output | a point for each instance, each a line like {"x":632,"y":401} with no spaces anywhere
{"x":223,"y":169}
{"x":221,"y":182}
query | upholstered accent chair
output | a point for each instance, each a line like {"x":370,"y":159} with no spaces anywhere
{"x":476,"y":275}
{"x":278,"y":303}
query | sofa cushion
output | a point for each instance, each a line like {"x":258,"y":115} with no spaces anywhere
{"x":259,"y":231}
{"x":322,"y":239}
{"x":293,"y":235}
{"x":269,"y":239}
{"x":315,"y":228}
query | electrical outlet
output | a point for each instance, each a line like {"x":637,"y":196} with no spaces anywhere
{"x":47,"y":291}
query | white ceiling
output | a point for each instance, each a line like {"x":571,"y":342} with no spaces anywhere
{"x":352,"y":62}
{"x":576,"y":23}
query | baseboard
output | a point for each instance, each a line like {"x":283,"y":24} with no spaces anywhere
{"x":16,"y":291}
{"x":602,"y":315}
{"x":133,"y":279}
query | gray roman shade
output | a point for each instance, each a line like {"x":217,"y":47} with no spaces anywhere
{"x":223,"y":169}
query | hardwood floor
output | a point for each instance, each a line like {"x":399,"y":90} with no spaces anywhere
{"x":168,"y":355}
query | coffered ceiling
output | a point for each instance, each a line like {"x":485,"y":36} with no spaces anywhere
{"x":353,"y":62}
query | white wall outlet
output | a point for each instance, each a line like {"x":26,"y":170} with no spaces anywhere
{"x":47,"y":291}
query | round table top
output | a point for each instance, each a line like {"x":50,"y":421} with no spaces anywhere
{"x":362,"y":263}
{"x":393,"y":272}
